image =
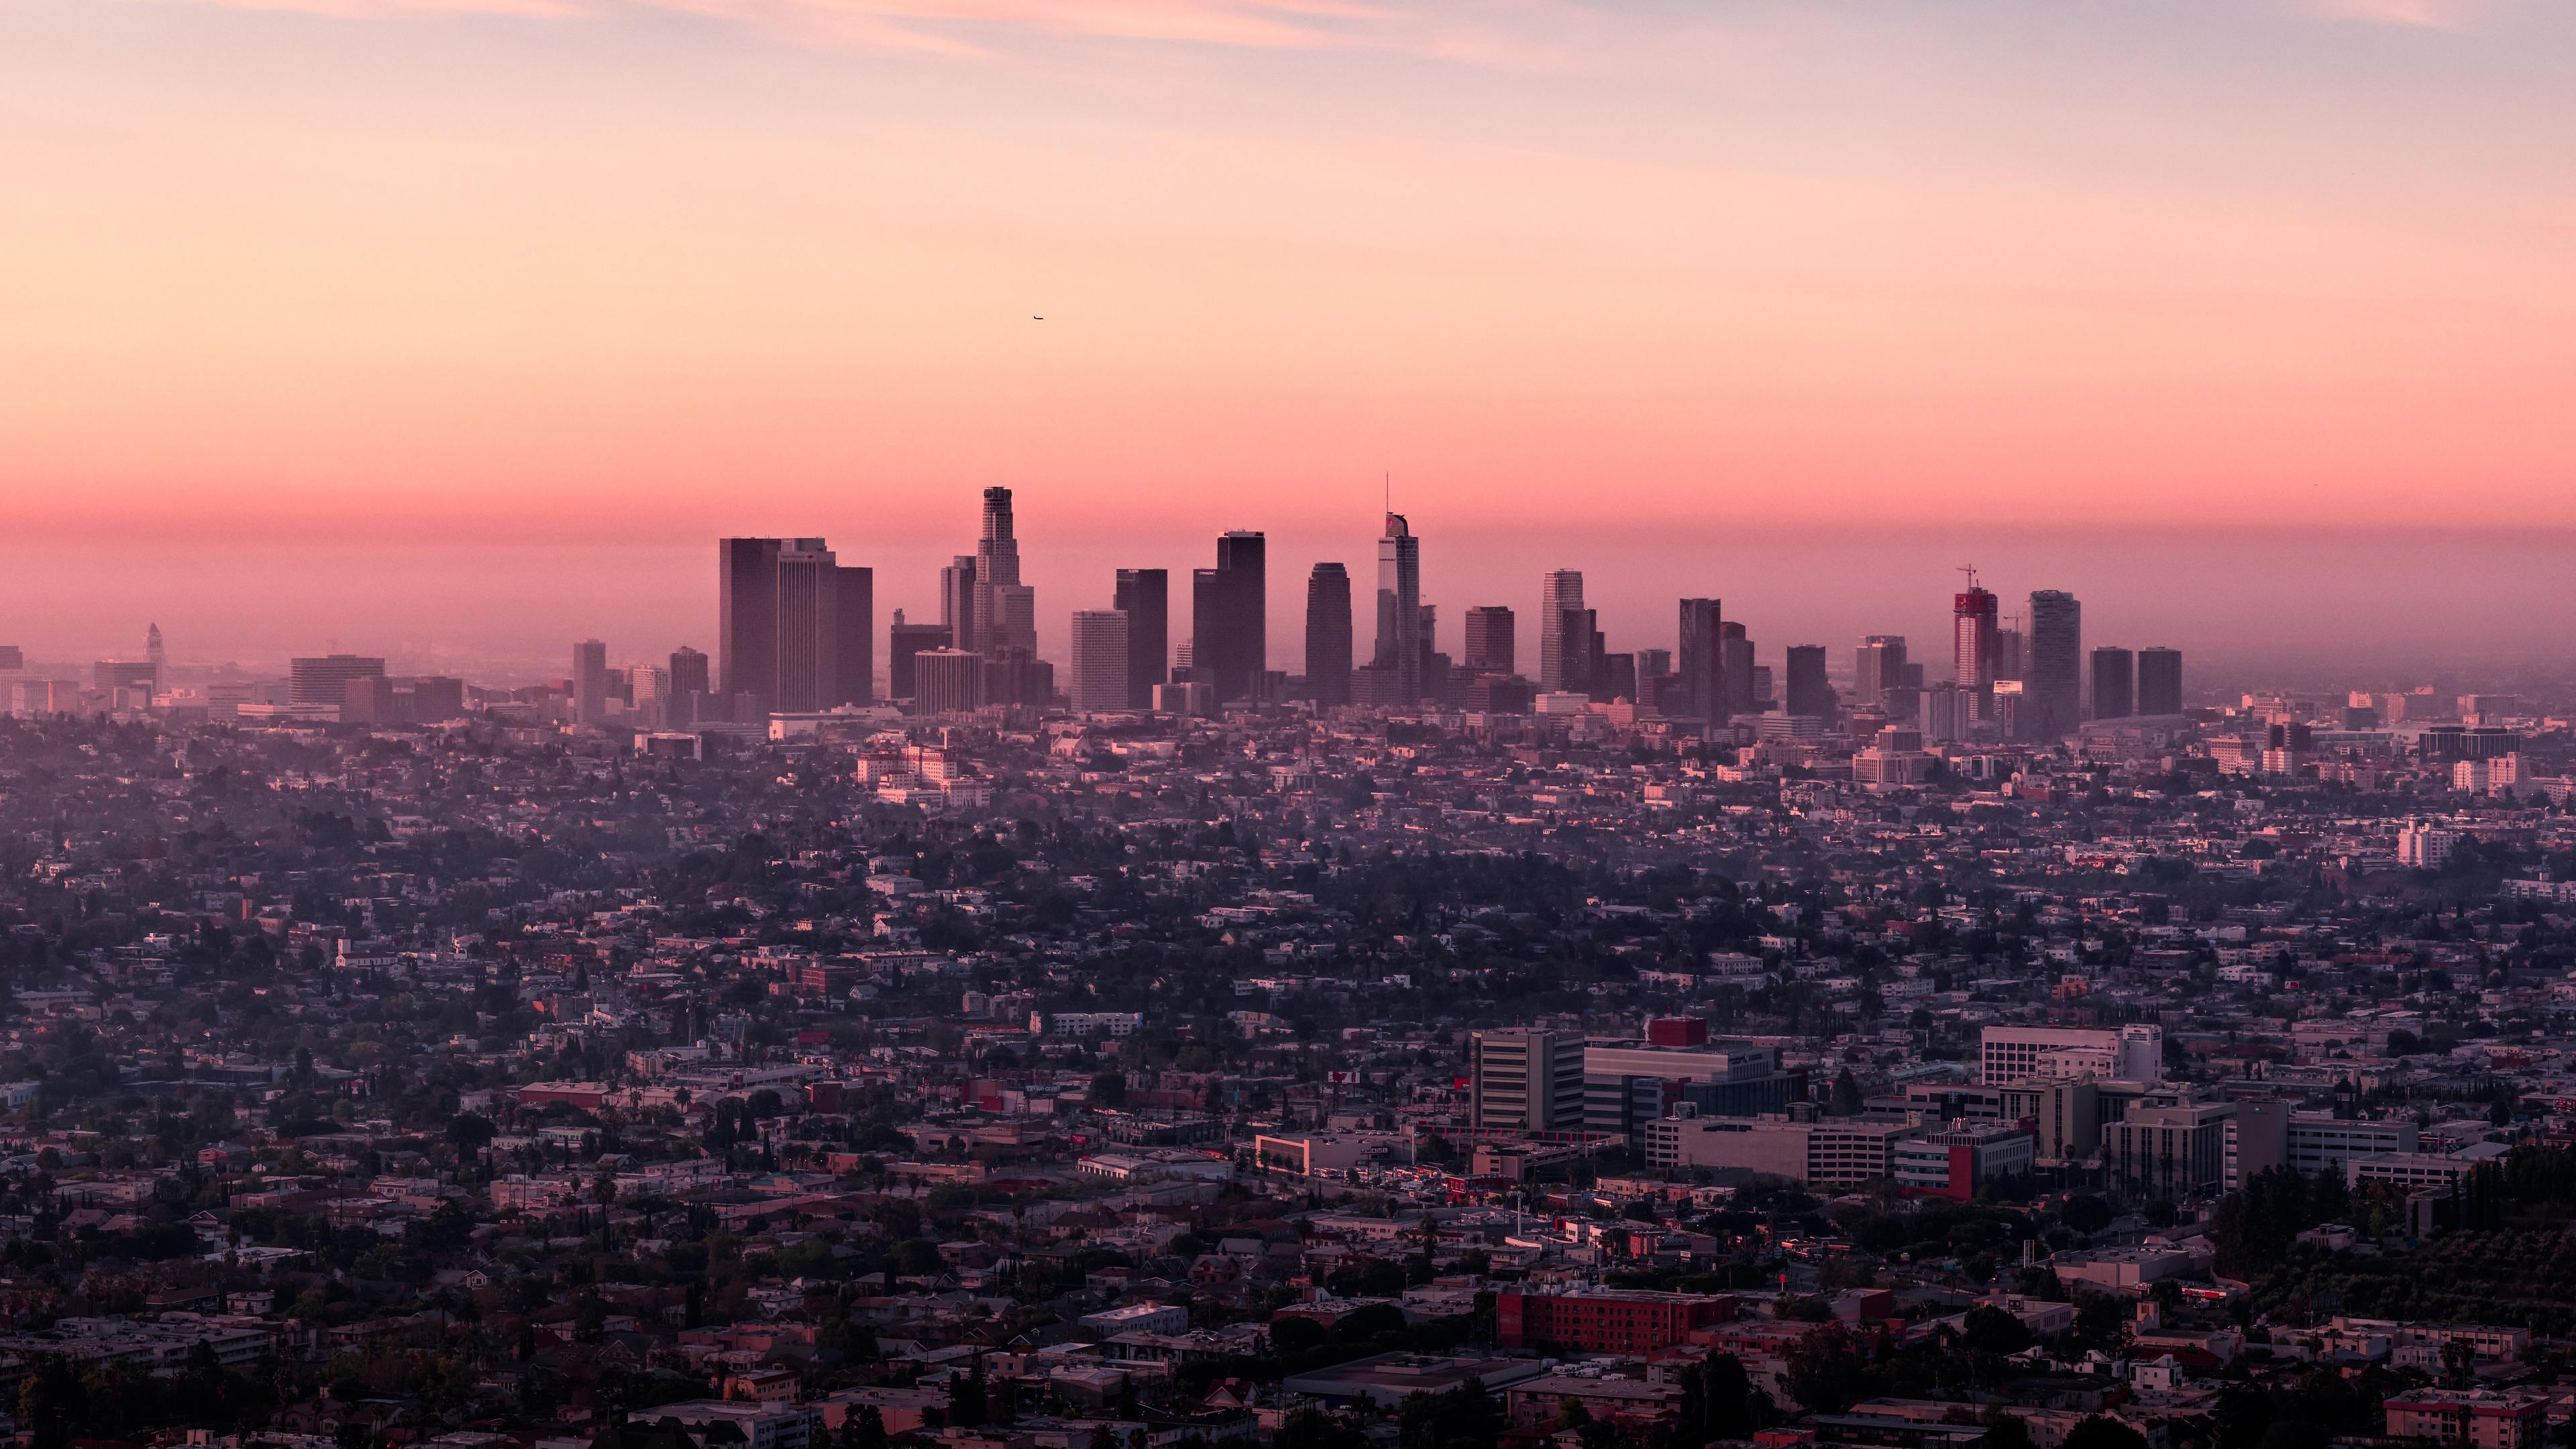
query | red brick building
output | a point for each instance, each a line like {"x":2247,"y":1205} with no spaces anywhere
{"x":1607,"y":1320}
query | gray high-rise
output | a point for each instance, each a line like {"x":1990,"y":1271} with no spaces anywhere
{"x":1808,"y":693}
{"x":1328,"y":635}
{"x":1101,"y":660}
{"x":2053,"y":667}
{"x":589,"y":681}
{"x":1877,"y":666}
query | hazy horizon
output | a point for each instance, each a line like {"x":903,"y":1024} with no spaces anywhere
{"x":458,"y":329}
{"x":2257,"y":608}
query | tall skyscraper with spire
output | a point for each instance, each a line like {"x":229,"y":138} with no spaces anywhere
{"x":1399,"y":608}
{"x":154,"y":653}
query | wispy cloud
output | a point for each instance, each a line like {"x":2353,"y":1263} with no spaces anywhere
{"x":964,"y":26}
{"x":2429,"y":14}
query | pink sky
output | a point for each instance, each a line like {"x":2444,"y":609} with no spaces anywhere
{"x":637,"y":272}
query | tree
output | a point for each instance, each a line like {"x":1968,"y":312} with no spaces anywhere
{"x":967,"y":1404}
{"x":2100,"y":1431}
{"x":51,"y":1403}
{"x":2086,"y":1213}
{"x":1312,"y":1428}
{"x":1847,"y":1100}
{"x":2005,"y":1430}
{"x":470,"y":1132}
{"x":1825,"y":1371}
{"x":864,"y":1429}
{"x":1988,"y":1329}
{"x":1109,"y":1089}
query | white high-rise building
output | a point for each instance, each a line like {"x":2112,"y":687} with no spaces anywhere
{"x":1100,"y":659}
{"x":1527,"y":1081}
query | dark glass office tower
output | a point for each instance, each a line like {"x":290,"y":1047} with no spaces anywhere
{"x":1145,"y":597}
{"x":1328,"y":635}
{"x":2115,"y":673}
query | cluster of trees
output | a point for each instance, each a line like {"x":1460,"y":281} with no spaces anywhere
{"x":58,"y":1403}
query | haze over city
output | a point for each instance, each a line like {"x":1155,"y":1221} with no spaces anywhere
{"x":2200,"y":309}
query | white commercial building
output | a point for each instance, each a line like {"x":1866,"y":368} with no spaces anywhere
{"x":2134,"y":1053}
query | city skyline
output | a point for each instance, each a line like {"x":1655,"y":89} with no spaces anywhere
{"x":2196,"y":597}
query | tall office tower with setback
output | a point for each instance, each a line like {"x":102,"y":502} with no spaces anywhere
{"x":1399,"y":608}
{"x":1809,"y":694}
{"x":1741,"y":694}
{"x":1564,"y":637}
{"x":1328,"y":635}
{"x":1100,"y":660}
{"x":1229,"y":634}
{"x":2115,"y":674}
{"x":1145,"y":597}
{"x":589,"y":681}
{"x":1877,"y":666}
{"x":957,"y":602}
{"x":2159,"y":681}
{"x":1489,"y":645}
{"x":2053,"y":667}
{"x":1006,"y":610}
{"x":1701,"y":660}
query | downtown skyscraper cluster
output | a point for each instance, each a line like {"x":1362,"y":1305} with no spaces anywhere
{"x":795,"y":634}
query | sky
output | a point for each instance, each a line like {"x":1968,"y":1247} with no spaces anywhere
{"x":468,"y":324}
